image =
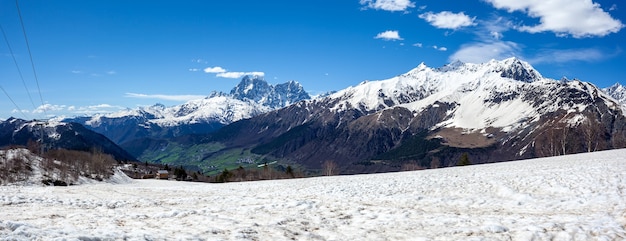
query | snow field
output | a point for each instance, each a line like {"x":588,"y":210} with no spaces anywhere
{"x":576,"y":197}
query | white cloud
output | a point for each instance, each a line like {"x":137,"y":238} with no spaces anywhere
{"x":164,"y":97}
{"x":94,"y":109}
{"x":568,"y":55}
{"x":214,"y":70}
{"x":388,"y":5}
{"x":48,"y":108}
{"x":236,"y":75}
{"x":448,"y":20}
{"x":222,"y":73}
{"x":483,"y":51}
{"x":613,"y":7}
{"x":194,"y":69}
{"x":578,"y":18}
{"x":418,"y":45}
{"x":18,"y":111}
{"x":440,"y":48}
{"x":496,"y":35}
{"x":389,"y":35}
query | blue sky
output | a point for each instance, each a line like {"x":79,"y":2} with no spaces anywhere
{"x":103,"y":56}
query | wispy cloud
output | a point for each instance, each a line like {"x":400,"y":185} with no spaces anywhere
{"x":199,"y":61}
{"x":388,"y":5}
{"x":194,"y":69}
{"x":237,"y":75}
{"x":111,"y":72}
{"x":389,"y":35}
{"x":53,"y":109}
{"x":164,"y":97}
{"x":223,"y":73}
{"x":76,"y":72}
{"x":440,"y":48}
{"x":448,"y":20}
{"x":578,"y":18}
{"x":481,"y":52}
{"x":419,"y":45}
{"x":568,"y":55}
{"x":48,"y":108}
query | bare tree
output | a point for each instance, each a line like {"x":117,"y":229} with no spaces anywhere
{"x":411,"y":166}
{"x":329,"y":168}
{"x":564,"y":138}
{"x":435,"y":163}
{"x":591,"y":132}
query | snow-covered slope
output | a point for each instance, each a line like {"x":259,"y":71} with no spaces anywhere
{"x":574,"y":197}
{"x":20,"y":167}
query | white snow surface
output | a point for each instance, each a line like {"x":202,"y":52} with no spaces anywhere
{"x":575,"y":197}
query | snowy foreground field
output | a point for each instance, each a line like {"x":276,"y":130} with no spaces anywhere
{"x":577,"y":197}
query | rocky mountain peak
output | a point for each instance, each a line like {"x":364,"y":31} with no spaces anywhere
{"x":274,"y":96}
{"x":617,"y":91}
{"x":517,"y":69}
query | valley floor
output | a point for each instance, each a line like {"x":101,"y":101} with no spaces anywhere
{"x":577,"y":197}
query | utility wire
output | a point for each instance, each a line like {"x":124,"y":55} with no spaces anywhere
{"x":17,"y":66}
{"x":16,"y":106}
{"x":32,"y":63}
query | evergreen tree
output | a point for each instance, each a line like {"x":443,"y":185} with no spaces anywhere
{"x":464,"y":160}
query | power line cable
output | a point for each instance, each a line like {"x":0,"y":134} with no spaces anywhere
{"x":32,"y":63}
{"x":16,"y":106}
{"x":17,"y":66}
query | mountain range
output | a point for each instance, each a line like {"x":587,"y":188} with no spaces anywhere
{"x":427,"y":117}
{"x":252,"y":96}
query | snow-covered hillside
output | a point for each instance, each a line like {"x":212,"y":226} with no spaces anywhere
{"x":575,"y":197}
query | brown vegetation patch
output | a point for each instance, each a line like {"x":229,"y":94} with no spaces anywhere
{"x":462,"y":138}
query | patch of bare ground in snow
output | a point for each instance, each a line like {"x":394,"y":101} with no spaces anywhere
{"x":576,"y":197}
{"x":462,"y":138}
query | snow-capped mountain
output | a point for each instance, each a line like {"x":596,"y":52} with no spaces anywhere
{"x":501,"y":94}
{"x":70,"y":136}
{"x":495,"y":111}
{"x":618,"y":92}
{"x":251,"y":97}
{"x":261,"y":92}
